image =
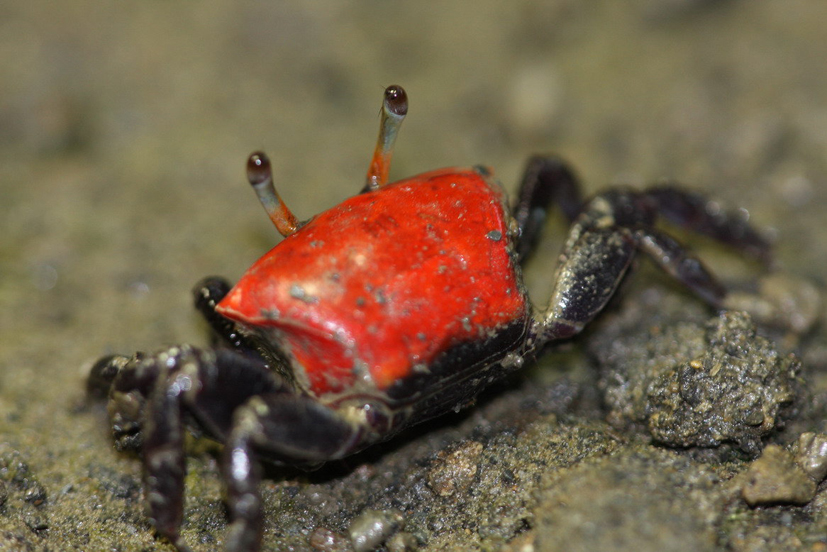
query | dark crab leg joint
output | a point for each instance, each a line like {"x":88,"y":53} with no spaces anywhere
{"x":397,"y":305}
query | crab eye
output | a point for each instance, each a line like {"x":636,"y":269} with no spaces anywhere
{"x":396,"y":100}
{"x":258,"y":168}
{"x":260,"y":177}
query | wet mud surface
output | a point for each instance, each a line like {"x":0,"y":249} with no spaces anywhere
{"x":666,"y":426}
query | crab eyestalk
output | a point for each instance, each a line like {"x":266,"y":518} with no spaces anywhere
{"x":394,"y":109}
{"x":260,"y":176}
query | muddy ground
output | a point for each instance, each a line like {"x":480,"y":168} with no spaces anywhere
{"x":124,"y":128}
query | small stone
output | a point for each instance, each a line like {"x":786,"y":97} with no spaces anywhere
{"x":373,"y":527}
{"x":775,"y":478}
{"x":812,"y":455}
{"x":402,"y":542}
{"x":455,"y":470}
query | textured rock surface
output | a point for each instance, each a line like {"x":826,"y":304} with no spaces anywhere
{"x":695,"y":385}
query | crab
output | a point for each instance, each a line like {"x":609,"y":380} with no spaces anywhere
{"x":398,"y":305}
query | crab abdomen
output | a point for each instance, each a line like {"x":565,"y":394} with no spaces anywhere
{"x":374,"y":289}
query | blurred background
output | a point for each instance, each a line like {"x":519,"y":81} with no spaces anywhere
{"x":124,"y":129}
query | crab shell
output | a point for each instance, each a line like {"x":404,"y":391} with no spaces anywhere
{"x":372,"y":291}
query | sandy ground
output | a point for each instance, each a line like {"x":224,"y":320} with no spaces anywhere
{"x":124,"y":128}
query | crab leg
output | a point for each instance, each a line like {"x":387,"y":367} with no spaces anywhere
{"x":148,"y":397}
{"x":546,"y":180}
{"x":699,"y":214}
{"x":280,"y":427}
{"x":587,"y":277}
{"x":602,"y":244}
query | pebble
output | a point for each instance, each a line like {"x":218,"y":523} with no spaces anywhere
{"x":775,"y":478}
